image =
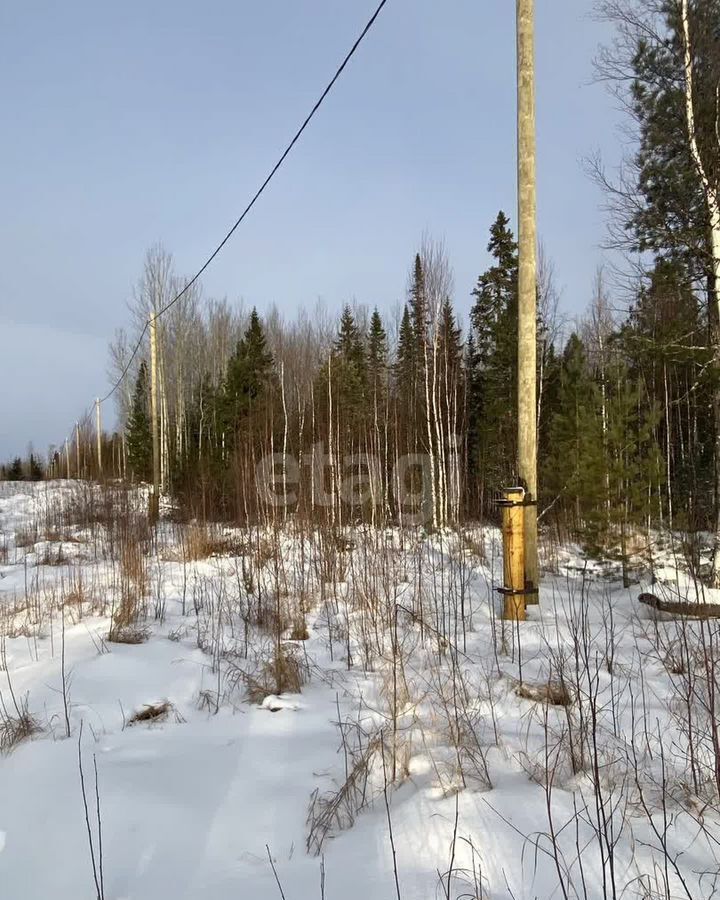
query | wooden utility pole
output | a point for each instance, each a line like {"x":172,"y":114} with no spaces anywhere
{"x":155,"y":497}
{"x":527,"y":285}
{"x":513,"y":518}
{"x":67,"y":459}
{"x":98,"y":430}
{"x":77,"y":449}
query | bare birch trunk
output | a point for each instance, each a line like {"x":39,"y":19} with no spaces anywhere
{"x":712,"y":200}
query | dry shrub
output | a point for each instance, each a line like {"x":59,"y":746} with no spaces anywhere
{"x":128,"y":635}
{"x":299,"y":631}
{"x":133,"y":564}
{"x":18,"y":728}
{"x":133,"y":584}
{"x":153,"y":713}
{"x":263,"y":551}
{"x":471,"y":546}
{"x":337,"y":810}
{"x":343,"y":543}
{"x":208,"y":701}
{"x":282,"y":673}
{"x":125,"y":615}
{"x":89,"y":505}
{"x":26,"y":629}
{"x":286,"y":672}
{"x":75,"y":597}
{"x":255,"y":690}
{"x":332,"y":558}
{"x":53,"y":556}
{"x":26,"y":537}
{"x":555,"y":693}
{"x":60,"y":536}
{"x":461,"y":731}
{"x":268,"y":615}
{"x":203,"y":541}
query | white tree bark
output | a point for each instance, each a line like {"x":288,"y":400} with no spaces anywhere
{"x":712,"y":201}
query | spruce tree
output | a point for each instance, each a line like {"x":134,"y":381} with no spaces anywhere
{"x":35,"y":470}
{"x":573,"y":470}
{"x":139,"y":434}
{"x":492,"y":363}
{"x":15,"y":470}
{"x":350,"y":371}
{"x":377,"y":352}
{"x":450,"y":352}
{"x":663,"y":340}
{"x":248,"y":383}
{"x":419,"y":312}
{"x":450,"y":347}
{"x":633,"y":465}
{"x":419,"y":320}
{"x":405,"y":359}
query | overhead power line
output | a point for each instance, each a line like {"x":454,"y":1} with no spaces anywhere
{"x":255,"y":198}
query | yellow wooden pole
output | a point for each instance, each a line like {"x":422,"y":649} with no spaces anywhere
{"x":98,"y":434}
{"x":155,"y":496}
{"x":527,"y":284}
{"x":77,"y":449}
{"x":513,"y":531}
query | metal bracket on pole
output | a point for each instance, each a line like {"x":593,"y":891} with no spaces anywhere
{"x":513,"y":531}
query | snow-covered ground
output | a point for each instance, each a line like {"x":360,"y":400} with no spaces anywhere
{"x":421,"y":757}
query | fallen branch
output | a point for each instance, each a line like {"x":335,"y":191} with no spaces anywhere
{"x":682,"y":607}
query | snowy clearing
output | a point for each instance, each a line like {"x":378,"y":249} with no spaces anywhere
{"x":431,"y":749}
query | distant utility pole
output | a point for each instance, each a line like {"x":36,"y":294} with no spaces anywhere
{"x":98,"y":430}
{"x":67,"y":459}
{"x":155,"y":498}
{"x":527,"y":285}
{"x":77,"y":449}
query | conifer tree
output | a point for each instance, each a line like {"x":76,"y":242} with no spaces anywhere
{"x":35,"y":470}
{"x":350,"y":372}
{"x":15,"y":470}
{"x":492,"y":361}
{"x":668,"y":56}
{"x":418,"y":308}
{"x":573,"y":470}
{"x":248,"y":383}
{"x":664,"y":342}
{"x":377,"y":352}
{"x":139,"y":434}
{"x":632,"y":463}
{"x":405,"y":359}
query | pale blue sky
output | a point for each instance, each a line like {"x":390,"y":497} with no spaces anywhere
{"x":129,"y":123}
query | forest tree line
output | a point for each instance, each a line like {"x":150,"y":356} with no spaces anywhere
{"x":624,"y":404}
